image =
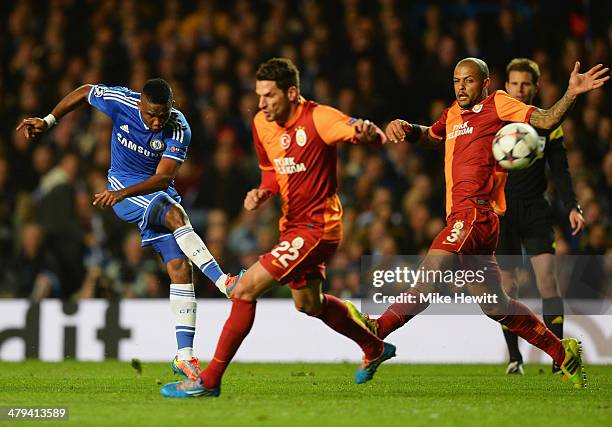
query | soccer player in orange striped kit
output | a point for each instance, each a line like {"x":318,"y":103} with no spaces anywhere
{"x":475,"y":198}
{"x":295,"y":140}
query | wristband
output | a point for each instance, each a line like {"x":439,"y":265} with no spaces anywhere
{"x":50,"y":120}
{"x":415,"y":135}
{"x":579,"y":209}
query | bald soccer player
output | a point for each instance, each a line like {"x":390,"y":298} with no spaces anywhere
{"x":475,"y":198}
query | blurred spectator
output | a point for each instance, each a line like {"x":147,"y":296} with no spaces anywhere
{"x":33,"y":273}
{"x":136,"y":274}
{"x":224,"y":183}
{"x":7,"y":207}
{"x":56,"y":206}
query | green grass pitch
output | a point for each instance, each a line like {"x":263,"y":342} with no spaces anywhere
{"x":113,"y":394}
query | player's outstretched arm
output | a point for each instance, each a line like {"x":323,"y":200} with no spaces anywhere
{"x":400,"y":130}
{"x":578,"y":84}
{"x":34,"y":126}
{"x":164,"y":175}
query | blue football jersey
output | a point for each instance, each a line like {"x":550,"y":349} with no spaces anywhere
{"x":135,"y":150}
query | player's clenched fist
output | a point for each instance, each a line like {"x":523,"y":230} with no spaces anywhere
{"x":398,"y":130}
{"x":255,"y":198}
{"x":365,"y":131}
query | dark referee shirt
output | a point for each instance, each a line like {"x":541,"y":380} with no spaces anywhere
{"x":531,"y":183}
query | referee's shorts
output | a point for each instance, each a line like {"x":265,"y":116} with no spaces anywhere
{"x":528,"y":224}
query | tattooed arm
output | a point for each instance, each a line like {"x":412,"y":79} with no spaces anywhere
{"x":578,"y":83}
{"x":551,"y":118}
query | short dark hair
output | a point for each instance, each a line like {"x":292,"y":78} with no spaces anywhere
{"x":157,"y":91}
{"x":279,"y":70}
{"x":524,"y":64}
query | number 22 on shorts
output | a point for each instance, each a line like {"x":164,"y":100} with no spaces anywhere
{"x":286,"y":252}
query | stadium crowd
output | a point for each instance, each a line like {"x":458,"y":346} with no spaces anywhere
{"x":373,"y":59}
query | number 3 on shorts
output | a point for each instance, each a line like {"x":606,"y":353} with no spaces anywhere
{"x":455,"y":232}
{"x":286,"y":252}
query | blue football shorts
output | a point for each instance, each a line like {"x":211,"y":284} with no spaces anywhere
{"x":149,"y":211}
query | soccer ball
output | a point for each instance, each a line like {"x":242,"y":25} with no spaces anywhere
{"x":516,"y":146}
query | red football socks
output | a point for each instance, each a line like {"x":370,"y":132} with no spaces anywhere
{"x":398,"y":314}
{"x":521,"y":320}
{"x":236,"y":328}
{"x":337,"y":316}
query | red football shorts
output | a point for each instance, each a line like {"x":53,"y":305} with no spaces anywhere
{"x":469,"y":232}
{"x":300,"y":256}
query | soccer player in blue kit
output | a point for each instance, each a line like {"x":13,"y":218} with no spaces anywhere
{"x":149,"y":143}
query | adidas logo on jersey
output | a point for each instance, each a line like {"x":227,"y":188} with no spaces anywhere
{"x":125,"y":128}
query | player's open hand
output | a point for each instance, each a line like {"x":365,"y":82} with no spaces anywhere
{"x":576,"y":222}
{"x":398,"y":130}
{"x":592,"y":79}
{"x":32,"y":127}
{"x":107,"y":198}
{"x":365,"y":131}
{"x":255,"y":198}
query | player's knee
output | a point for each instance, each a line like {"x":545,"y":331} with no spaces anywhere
{"x":175,"y":218}
{"x":245,"y":290}
{"x":547,"y":287}
{"x":309,"y":308}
